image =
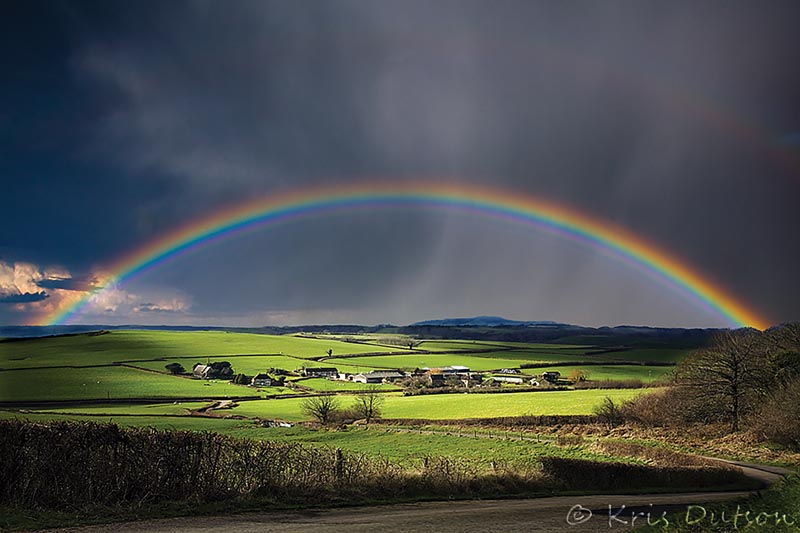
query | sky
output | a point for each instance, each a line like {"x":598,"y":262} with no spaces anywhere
{"x":120,"y":121}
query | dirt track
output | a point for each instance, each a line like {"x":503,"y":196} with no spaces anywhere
{"x":543,"y":514}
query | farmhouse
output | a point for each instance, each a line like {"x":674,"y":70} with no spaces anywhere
{"x":265,"y":380}
{"x":552,"y":377}
{"x":216,"y":370}
{"x":455,"y":370}
{"x":321,"y":372}
{"x":438,"y":377}
{"x":436,"y":380}
{"x":389,"y":375}
{"x":367,"y":378}
{"x":378,"y":376}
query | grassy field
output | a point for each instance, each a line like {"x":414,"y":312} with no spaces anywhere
{"x":255,"y":364}
{"x":190,"y":423}
{"x":644,"y":354}
{"x":155,"y":409}
{"x":455,"y":406}
{"x":131,"y":345}
{"x":646,"y":374}
{"x":445,"y":346}
{"x":153,"y":350}
{"x":475,"y":361}
{"x":406,"y":447}
{"x":106,"y":383}
{"x":409,"y":447}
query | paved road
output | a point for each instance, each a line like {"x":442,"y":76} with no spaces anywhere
{"x":529,"y":515}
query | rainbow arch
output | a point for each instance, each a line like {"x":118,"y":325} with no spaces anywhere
{"x":492,"y":202}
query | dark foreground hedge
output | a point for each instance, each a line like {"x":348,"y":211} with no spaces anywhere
{"x":68,"y":465}
{"x":73,"y":466}
{"x":580,"y":474}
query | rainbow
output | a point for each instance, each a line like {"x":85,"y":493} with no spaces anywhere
{"x":506,"y":205}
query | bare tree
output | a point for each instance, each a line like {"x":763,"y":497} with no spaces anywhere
{"x":369,"y":404}
{"x":786,"y":337}
{"x":320,"y":407}
{"x":727,"y":379}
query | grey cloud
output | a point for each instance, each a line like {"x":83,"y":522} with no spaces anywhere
{"x":26,"y":297}
{"x":149,"y":307}
{"x":69,"y":284}
{"x":637,"y":113}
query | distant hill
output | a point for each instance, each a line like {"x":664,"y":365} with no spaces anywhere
{"x":485,"y":321}
{"x":475,"y":328}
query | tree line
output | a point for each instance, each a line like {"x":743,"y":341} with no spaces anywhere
{"x":745,"y":378}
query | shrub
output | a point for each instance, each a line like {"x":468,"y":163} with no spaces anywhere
{"x":649,"y":410}
{"x":611,"y":384}
{"x":175,"y":368}
{"x":241,"y":379}
{"x":675,"y":405}
{"x":608,"y":412}
{"x":583,"y":474}
{"x":778,"y":420}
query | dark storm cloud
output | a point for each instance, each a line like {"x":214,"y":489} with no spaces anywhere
{"x":69,"y":284}
{"x":26,"y":297}
{"x":662,"y":118}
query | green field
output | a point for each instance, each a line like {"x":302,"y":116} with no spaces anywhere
{"x":456,"y":406}
{"x":150,"y":351}
{"x":255,"y":364}
{"x":646,"y":374}
{"x":475,"y":361}
{"x":155,"y":409}
{"x":661,"y":355}
{"x":445,"y":346}
{"x":132,"y":345}
{"x":406,"y":447}
{"x":192,"y":423}
{"x":107,"y":383}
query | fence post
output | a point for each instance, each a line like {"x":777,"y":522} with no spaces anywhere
{"x":339,"y":464}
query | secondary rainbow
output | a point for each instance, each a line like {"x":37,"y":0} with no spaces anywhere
{"x":481,"y":201}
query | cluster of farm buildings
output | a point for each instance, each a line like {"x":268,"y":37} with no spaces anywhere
{"x":433,"y":377}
